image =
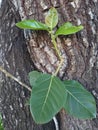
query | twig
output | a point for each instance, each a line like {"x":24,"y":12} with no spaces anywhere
{"x":14,"y":78}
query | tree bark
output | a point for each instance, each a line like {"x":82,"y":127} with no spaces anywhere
{"x":23,"y":50}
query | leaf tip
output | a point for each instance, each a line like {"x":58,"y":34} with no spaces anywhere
{"x":81,"y":27}
{"x":18,"y":25}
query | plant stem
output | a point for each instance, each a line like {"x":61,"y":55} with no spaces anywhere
{"x":57,"y":70}
{"x":59,"y":66}
{"x":55,"y":45}
{"x":58,"y":53}
{"x":14,"y":78}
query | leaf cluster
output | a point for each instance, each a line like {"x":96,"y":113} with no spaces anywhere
{"x":51,"y":20}
{"x":49,"y":94}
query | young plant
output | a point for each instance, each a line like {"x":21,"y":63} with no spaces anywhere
{"x":49,"y":94}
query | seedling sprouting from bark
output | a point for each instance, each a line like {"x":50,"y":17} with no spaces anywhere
{"x":49,"y":94}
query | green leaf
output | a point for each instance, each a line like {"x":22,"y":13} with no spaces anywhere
{"x":68,"y":28}
{"x":51,"y":18}
{"x":32,"y":24}
{"x":1,"y":124}
{"x":47,"y":98}
{"x":33,"y":75}
{"x":79,"y":103}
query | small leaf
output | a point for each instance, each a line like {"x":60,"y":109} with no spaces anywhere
{"x":47,"y":98}
{"x":33,"y":76}
{"x":79,"y":103}
{"x":51,"y":18}
{"x":31,"y":24}
{"x":67,"y":29}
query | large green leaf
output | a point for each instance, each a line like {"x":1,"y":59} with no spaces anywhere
{"x":79,"y":103}
{"x":47,"y":98}
{"x":68,"y":28}
{"x":33,"y":76}
{"x":32,"y":24}
{"x":51,"y":18}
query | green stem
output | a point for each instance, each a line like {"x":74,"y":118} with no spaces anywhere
{"x":58,"y":53}
{"x":58,"y":68}
{"x":55,"y":46}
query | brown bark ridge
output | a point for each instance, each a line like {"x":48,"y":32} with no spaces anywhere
{"x":80,"y":53}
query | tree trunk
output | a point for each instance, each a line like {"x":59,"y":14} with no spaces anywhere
{"x":22,"y":51}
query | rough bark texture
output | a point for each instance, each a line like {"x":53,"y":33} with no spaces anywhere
{"x":22,"y":51}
